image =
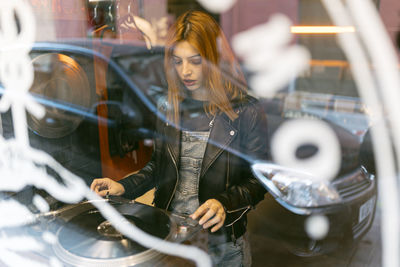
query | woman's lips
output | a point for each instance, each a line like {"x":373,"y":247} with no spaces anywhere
{"x":189,"y":82}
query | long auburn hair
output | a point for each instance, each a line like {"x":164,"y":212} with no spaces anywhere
{"x":224,"y":79}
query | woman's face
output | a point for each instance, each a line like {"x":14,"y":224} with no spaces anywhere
{"x":189,"y":66}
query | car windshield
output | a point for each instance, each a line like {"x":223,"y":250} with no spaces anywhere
{"x":145,"y":68}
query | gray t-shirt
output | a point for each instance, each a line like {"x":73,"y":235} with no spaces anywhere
{"x":193,"y":146}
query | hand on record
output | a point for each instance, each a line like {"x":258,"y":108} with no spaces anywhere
{"x":212,"y":214}
{"x":104,"y":186}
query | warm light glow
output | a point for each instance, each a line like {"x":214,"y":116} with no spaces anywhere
{"x":321,"y":29}
{"x":329,"y":63}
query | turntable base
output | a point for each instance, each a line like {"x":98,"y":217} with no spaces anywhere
{"x":86,"y":238}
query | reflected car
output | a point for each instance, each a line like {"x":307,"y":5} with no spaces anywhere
{"x":101,"y":98}
{"x":348,"y":201}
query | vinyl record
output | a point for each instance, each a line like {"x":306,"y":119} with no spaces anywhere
{"x":88,"y":239}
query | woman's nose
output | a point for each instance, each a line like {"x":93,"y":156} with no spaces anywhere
{"x":186,"y":70}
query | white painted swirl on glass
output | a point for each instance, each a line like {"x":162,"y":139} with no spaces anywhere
{"x":219,"y":6}
{"x":293,"y":134}
{"x":269,"y":55}
{"x":363,"y":13}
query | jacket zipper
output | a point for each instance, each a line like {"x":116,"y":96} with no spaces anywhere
{"x":227,"y":174}
{"x":231,"y":224}
{"x":177,"y":177}
{"x":211,"y":163}
{"x":233,"y":235}
{"x":226,"y":186}
{"x":231,"y":211}
{"x":241,"y":215}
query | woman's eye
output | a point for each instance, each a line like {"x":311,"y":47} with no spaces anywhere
{"x":196,"y":61}
{"x":177,"y":62}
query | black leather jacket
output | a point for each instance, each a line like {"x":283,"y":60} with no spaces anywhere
{"x":225,"y":173}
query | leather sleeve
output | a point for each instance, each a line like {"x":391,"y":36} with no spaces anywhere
{"x":139,"y":183}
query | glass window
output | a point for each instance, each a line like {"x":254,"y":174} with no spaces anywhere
{"x":280,"y":115}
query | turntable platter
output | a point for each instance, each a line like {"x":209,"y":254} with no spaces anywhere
{"x":88,"y":239}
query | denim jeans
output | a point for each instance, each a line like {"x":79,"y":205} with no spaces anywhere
{"x":231,"y":254}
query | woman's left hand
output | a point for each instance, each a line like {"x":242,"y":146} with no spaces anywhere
{"x":212,"y":213}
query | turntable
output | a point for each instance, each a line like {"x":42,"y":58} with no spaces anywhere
{"x":86,"y":238}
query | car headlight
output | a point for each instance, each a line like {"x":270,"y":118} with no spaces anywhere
{"x":296,"y":188}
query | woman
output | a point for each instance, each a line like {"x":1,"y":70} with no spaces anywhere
{"x":198,"y":167}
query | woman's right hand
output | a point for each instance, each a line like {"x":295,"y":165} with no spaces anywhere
{"x":102,"y":186}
